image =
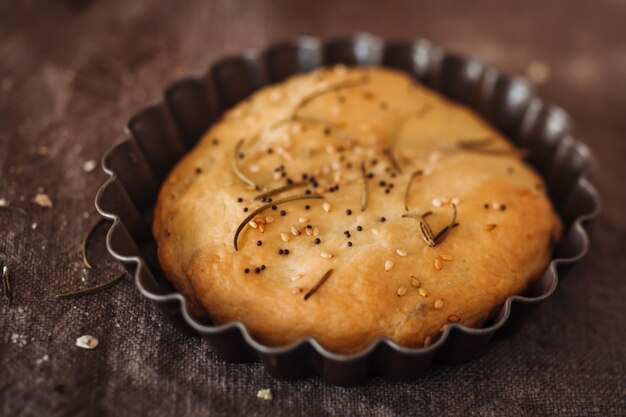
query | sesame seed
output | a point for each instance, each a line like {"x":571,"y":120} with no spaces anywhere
{"x":261,"y":227}
{"x":503,"y":207}
{"x":455,"y":201}
{"x":401,"y":291}
{"x":438,"y":264}
{"x":316,"y":231}
{"x":274,"y":208}
{"x":427,"y":341}
{"x":286,"y":251}
{"x":327,"y":207}
{"x":257,"y":270}
{"x":263,"y":267}
{"x":388,"y":265}
{"x":303,"y":219}
{"x":438,"y":304}
{"x":280,"y":251}
{"x":259,"y":242}
{"x":317,"y":241}
{"x":294,"y":231}
{"x":495,"y":204}
{"x":436,"y":202}
{"x":486,"y":205}
{"x":359,"y":228}
{"x":247,"y":270}
{"x":489,"y":227}
{"x":285,"y":237}
{"x":349,"y":243}
{"x":296,"y":290}
{"x":326,"y":255}
{"x":283,"y":212}
{"x":239,"y":199}
{"x":349,"y":212}
{"x":297,"y":277}
{"x":454,"y":318}
{"x":383,"y":219}
{"x":445,"y":257}
{"x":308,"y":231}
{"x":423,"y":292}
{"x":307,"y":207}
{"x":269,"y":219}
{"x":415,"y":282}
{"x":401,"y":252}
{"x":245,"y":209}
{"x":253,"y":224}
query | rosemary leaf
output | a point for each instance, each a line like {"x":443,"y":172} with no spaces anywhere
{"x":268,"y":205}
{"x":14,"y":209}
{"x":441,"y":236}
{"x":281,"y":190}
{"x":318,"y":284}
{"x":92,"y":290}
{"x":365,"y":194}
{"x":336,"y":87}
{"x":408,"y":188}
{"x":85,"y":242}
{"x":238,"y":171}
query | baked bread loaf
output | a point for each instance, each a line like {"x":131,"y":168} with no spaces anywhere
{"x":352,"y":204}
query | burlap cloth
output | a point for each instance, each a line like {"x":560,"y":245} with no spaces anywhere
{"x":71,"y":74}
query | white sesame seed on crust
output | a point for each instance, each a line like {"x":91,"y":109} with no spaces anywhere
{"x":446,"y":257}
{"x":294,"y":231}
{"x":401,"y":291}
{"x":297,"y":277}
{"x":438,"y":304}
{"x":454,"y":318}
{"x":401,"y":252}
{"x":326,"y":255}
{"x":436,"y":202}
{"x":438,"y":264}
{"x":253,"y":224}
{"x":285,"y":237}
{"x":415,"y":282}
{"x":303,"y":219}
{"x":316,"y":231}
{"x":388,"y":265}
{"x":269,"y":219}
{"x":423,"y":292}
{"x":327,"y":207}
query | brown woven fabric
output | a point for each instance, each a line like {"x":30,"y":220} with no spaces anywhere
{"x":71,"y":74}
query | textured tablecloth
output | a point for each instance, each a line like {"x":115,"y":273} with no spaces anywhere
{"x":71,"y":74}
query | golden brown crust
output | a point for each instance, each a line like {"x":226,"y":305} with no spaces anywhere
{"x":387,"y":281}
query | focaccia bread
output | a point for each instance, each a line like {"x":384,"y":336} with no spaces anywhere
{"x":352,"y":204}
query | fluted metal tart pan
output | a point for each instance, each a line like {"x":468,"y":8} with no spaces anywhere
{"x":161,"y":134}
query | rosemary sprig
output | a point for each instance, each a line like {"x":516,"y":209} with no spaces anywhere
{"x":428,"y":236}
{"x":92,"y":290}
{"x":7,"y":290}
{"x":85,"y":242}
{"x":408,"y":188}
{"x":339,"y":86}
{"x":238,"y":171}
{"x":319,"y":283}
{"x":268,"y":205}
{"x":365,"y":194}
{"x":281,"y":190}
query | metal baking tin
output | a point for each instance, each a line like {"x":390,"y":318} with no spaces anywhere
{"x":161,"y":134}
